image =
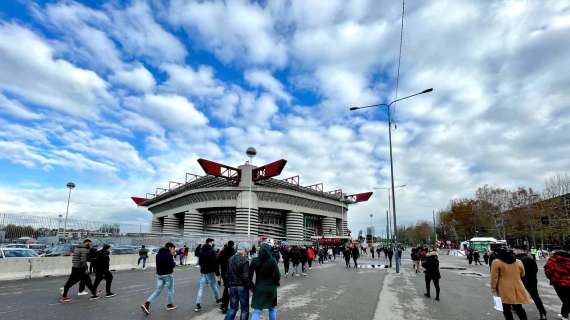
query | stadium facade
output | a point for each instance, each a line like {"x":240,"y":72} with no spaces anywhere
{"x":226,"y":198}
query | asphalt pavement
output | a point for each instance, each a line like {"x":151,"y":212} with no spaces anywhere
{"x":329,"y":291}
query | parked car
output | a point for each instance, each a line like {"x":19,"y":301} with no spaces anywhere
{"x":9,"y":253}
{"x":60,"y":250}
{"x":124,"y":250}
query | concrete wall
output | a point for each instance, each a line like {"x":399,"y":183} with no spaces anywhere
{"x":17,"y":269}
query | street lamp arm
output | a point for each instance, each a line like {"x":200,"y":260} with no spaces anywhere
{"x":413,"y":95}
{"x":370,"y":106}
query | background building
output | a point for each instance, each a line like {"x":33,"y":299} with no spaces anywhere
{"x":221,"y":201}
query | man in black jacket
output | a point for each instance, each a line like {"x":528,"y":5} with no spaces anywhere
{"x":102,"y":270}
{"x":209,"y":271}
{"x":530,"y":281}
{"x":165,"y":265}
{"x":227,"y":252}
{"x":79,"y":272}
{"x":238,"y":284}
{"x":431,"y":266}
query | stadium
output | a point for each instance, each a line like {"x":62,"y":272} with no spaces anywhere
{"x":247,"y":202}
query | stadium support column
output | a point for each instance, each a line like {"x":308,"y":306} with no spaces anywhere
{"x":328,"y":225}
{"x":171,"y":225}
{"x":345,"y":224}
{"x":245,"y":201}
{"x":294,"y":226}
{"x":193,"y":223}
{"x":156,"y":226}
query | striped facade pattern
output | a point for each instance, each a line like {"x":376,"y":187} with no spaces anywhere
{"x":344,"y":227}
{"x":156,"y":226}
{"x":242,"y":221}
{"x":193,"y":223}
{"x":294,"y":226}
{"x":328,"y":226}
{"x":171,"y":224}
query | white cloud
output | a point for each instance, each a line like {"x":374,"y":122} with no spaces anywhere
{"x":29,"y":70}
{"x":172,"y":111}
{"x":138,"y":78}
{"x":140,"y":34}
{"x":264,"y":79}
{"x":16,"y":109}
{"x":235,"y":30}
{"x":185,"y":80}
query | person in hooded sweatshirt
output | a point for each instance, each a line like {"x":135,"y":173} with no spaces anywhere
{"x":165,"y":265}
{"x":431,"y":266}
{"x":227,"y":252}
{"x":557,"y":270}
{"x":267,"y":278}
{"x":346,"y":253}
{"x":506,"y":282}
{"x":530,"y":281}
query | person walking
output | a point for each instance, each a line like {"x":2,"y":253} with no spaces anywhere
{"x":285,"y":254}
{"x":390,"y":253}
{"x":267,"y":279}
{"x":209,"y":270}
{"x":506,"y":282}
{"x":431,"y":266}
{"x":295,"y":259}
{"x":304,"y":259}
{"x":165,"y":265}
{"x":557,"y":270}
{"x":486,"y":257}
{"x":102,"y":263}
{"x":310,"y":257}
{"x":143,"y":256}
{"x":355,"y":256}
{"x":398,"y":253}
{"x":372,"y":251}
{"x":185,"y":254}
{"x":237,"y":277}
{"x":79,"y":272}
{"x":477,"y":257}
{"x":530,"y":281}
{"x":470,"y":256}
{"x":92,"y":257}
{"x":227,"y":252}
{"x":346,"y":254}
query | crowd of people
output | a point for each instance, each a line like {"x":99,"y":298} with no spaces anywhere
{"x":513,"y":273}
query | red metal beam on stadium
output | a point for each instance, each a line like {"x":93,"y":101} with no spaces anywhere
{"x":220,"y":170}
{"x":138,"y":200}
{"x":360,"y":197}
{"x":269,"y":170}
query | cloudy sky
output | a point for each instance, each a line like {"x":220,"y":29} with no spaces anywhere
{"x":123,"y":97}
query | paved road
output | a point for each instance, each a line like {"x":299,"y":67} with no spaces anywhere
{"x":329,"y":292}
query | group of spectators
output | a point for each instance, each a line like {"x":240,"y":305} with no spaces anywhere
{"x":235,"y":270}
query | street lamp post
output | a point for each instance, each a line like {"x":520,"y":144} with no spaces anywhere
{"x":393,"y":233}
{"x":70,"y":185}
{"x":389,"y":107}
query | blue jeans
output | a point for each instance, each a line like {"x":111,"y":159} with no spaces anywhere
{"x":238,"y":295}
{"x":161,"y":281}
{"x":257,"y":314}
{"x":206,"y":278}
{"x":398,"y":264}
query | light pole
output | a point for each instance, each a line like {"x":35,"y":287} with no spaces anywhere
{"x":70,"y":185}
{"x":389,"y":106}
{"x":251,"y":152}
{"x":387,"y":215}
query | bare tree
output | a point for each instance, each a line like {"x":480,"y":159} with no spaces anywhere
{"x":557,"y":185}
